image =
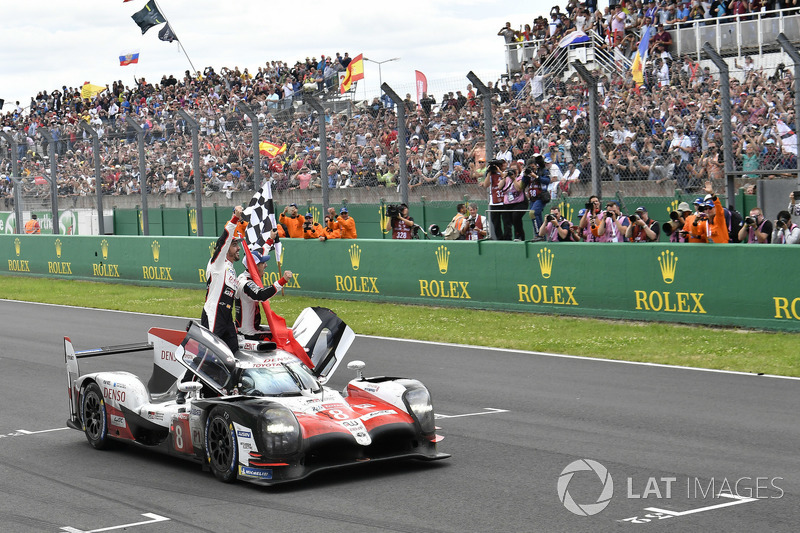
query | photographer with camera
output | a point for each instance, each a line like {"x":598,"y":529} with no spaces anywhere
{"x":514,"y":201}
{"x":588,"y":224}
{"x":642,"y":228}
{"x":398,"y":222}
{"x":674,"y":227}
{"x":475,"y":227}
{"x":757,"y":229}
{"x":794,"y":208}
{"x":536,"y":179}
{"x":311,"y":229}
{"x":785,"y":232}
{"x":709,"y":224}
{"x":611,"y":224}
{"x":494,"y":180}
{"x":293,"y":221}
{"x":556,"y":228}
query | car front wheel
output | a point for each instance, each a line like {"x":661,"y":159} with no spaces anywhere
{"x":221,"y":446}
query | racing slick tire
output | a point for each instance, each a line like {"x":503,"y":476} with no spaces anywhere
{"x":94,"y":417}
{"x":222,"y":450}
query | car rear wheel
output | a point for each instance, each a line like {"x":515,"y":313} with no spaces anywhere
{"x":93,"y":415}
{"x":221,"y":445}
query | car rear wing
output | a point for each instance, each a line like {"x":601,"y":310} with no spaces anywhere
{"x":73,"y":371}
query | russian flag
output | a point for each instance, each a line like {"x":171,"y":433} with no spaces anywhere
{"x":127,"y":58}
{"x":637,"y":67}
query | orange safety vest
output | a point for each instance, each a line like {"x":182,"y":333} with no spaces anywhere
{"x":32,"y":226}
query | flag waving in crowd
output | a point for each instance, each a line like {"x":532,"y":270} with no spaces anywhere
{"x":355,"y":72}
{"x":128,"y":58}
{"x":260,"y":214}
{"x":270,"y":150}
{"x":148,"y":17}
{"x":637,"y":67}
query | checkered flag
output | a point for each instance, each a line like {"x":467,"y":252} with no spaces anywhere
{"x":260,"y":214}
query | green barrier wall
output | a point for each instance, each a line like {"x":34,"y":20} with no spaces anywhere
{"x":704,"y":284}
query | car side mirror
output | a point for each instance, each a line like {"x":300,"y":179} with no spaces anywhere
{"x":358,"y":366}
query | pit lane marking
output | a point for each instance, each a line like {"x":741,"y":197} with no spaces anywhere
{"x":154,"y":518}
{"x":486,"y":411}
{"x":23,"y":432}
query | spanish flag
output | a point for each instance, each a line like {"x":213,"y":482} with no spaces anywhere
{"x":90,"y":91}
{"x":270,"y":150}
{"x":355,"y":72}
{"x":637,"y":67}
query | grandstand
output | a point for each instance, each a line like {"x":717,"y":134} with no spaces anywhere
{"x":539,"y":106}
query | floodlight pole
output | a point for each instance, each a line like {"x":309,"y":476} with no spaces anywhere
{"x":787,"y":46}
{"x":142,"y":172}
{"x":256,"y":155}
{"x":98,"y":183}
{"x":14,"y":146}
{"x":594,"y":126}
{"x":725,"y":98}
{"x":323,"y":150}
{"x":194,"y":128}
{"x":486,"y":98}
{"x":401,"y":139}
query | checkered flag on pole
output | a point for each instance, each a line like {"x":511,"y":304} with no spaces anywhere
{"x":260,"y":214}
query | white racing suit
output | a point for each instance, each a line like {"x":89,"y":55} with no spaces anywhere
{"x":247,"y":306}
{"x":222,"y":288}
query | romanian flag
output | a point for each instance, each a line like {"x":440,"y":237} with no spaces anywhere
{"x":355,"y":72}
{"x":128,"y":58}
{"x":270,"y":150}
{"x":90,"y":91}
{"x":637,"y":67}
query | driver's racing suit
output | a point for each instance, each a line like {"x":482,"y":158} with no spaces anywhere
{"x":248,"y":315}
{"x":221,"y":290}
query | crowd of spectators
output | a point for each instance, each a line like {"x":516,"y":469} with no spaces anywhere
{"x":667,"y":130}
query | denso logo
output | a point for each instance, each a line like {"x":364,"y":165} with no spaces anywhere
{"x":243,"y":434}
{"x":113,"y":394}
{"x":167,"y":355}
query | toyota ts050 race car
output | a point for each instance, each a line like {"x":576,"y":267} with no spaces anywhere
{"x":260,"y":414}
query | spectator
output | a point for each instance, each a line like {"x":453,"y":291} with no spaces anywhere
{"x":346,"y":225}
{"x":708,"y":225}
{"x":293,"y":221}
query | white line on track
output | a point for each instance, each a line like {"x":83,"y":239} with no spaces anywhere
{"x":153,"y":519}
{"x":487,"y":411}
{"x":507,"y":350}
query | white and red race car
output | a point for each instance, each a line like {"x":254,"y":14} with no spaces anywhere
{"x":260,"y":414}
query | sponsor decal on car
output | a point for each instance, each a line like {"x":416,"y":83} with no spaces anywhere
{"x":257,"y":473}
{"x":243,"y":434}
{"x":118,"y":421}
{"x":385,"y":412}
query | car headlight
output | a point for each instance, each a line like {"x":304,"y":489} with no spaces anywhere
{"x":280,"y":431}
{"x":418,"y":400}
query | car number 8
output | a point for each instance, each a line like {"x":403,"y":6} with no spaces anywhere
{"x":338,"y":415}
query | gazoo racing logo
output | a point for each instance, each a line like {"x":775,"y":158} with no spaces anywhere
{"x":436,"y":288}
{"x":667,"y":301}
{"x":546,"y":294}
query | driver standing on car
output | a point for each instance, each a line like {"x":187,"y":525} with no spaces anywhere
{"x":247,"y":309}
{"x":222,"y":285}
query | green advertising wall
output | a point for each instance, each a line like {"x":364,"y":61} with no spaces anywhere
{"x":704,"y":284}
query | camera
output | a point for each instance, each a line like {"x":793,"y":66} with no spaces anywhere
{"x":674,"y":215}
{"x":549,"y":218}
{"x":588,"y":205}
{"x":609,"y":214}
{"x":749,"y":221}
{"x":393,"y":211}
{"x":667,"y":227}
{"x":471,"y":221}
{"x":634,"y":217}
{"x":782,"y":223}
{"x":308,"y":225}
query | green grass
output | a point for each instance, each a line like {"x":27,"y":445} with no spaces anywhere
{"x":652,"y":342}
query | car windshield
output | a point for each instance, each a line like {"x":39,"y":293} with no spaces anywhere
{"x":277,"y":379}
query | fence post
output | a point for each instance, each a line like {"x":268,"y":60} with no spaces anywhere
{"x":790,"y":50}
{"x":98,"y":180}
{"x":194,"y":129}
{"x":256,"y":154}
{"x":725,"y":97}
{"x":323,"y":150}
{"x":142,"y":172}
{"x":13,"y":146}
{"x":594,"y":126}
{"x":401,"y":139}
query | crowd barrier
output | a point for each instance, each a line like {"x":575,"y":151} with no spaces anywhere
{"x":728,"y":284}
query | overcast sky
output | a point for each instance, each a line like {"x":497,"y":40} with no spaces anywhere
{"x":45,"y":44}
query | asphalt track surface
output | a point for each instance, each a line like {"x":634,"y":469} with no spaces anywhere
{"x":645,"y":424}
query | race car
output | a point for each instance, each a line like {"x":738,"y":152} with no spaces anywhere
{"x":259,"y":415}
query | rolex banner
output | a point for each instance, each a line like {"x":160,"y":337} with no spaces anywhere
{"x":663,"y":282}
